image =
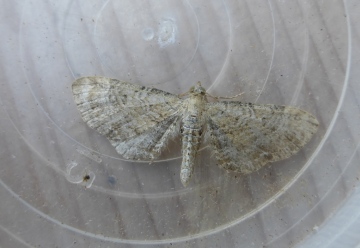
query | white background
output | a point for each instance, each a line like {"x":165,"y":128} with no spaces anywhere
{"x":300,"y":53}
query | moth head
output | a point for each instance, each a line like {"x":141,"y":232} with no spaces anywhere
{"x":197,"y":89}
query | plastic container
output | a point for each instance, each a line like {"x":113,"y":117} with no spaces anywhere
{"x":63,"y":185}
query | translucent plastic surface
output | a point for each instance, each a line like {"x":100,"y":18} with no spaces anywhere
{"x":63,"y":185}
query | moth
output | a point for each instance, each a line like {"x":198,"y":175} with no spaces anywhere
{"x":139,"y":121}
